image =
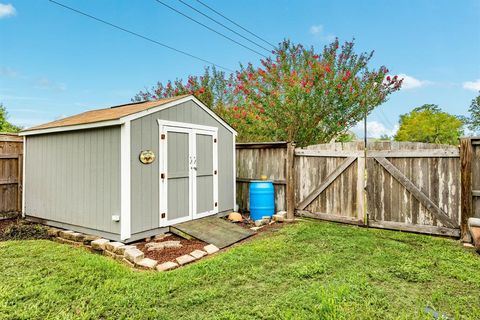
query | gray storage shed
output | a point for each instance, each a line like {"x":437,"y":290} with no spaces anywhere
{"x":130,"y":171}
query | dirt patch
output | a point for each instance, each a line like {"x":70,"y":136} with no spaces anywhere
{"x":169,"y":254}
{"x":246,"y":223}
{"x":19,"y":229}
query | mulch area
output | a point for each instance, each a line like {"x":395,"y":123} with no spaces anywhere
{"x":6,"y":223}
{"x":169,"y":254}
{"x":19,"y":229}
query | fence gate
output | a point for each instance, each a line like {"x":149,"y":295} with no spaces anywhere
{"x":402,"y":185}
{"x":414,"y":187}
{"x":330,"y":182}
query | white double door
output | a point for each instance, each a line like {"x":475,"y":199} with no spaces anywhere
{"x":188,"y":172}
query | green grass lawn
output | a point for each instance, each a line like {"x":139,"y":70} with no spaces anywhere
{"x":306,"y":270}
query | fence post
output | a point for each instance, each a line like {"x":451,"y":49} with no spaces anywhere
{"x":466,"y":154}
{"x":290,"y":187}
{"x":361,"y":189}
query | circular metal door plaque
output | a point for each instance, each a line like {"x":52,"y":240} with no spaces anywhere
{"x":147,"y":156}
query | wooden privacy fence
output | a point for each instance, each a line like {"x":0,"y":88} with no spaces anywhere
{"x":397,"y":185}
{"x":11,"y":161}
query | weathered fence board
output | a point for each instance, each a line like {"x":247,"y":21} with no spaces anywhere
{"x":11,"y":161}
{"x":475,"y":176}
{"x":257,"y":159}
{"x":470,"y":163}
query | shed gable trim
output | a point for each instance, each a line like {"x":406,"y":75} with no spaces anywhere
{"x":174,"y":103}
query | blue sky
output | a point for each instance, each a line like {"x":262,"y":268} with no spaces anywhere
{"x":55,"y":63}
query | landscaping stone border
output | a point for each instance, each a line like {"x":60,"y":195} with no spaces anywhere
{"x":128,"y":254}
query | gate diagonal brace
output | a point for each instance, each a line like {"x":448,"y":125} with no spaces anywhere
{"x":331,"y":177}
{"x":416,"y":192}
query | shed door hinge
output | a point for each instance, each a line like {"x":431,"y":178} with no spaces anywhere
{"x":162,"y":136}
{"x":215,"y":140}
{"x":163,"y":215}
{"x":216,"y":204}
{"x":215,"y":172}
{"x":162,"y":175}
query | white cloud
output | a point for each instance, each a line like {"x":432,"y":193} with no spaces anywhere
{"x":45,"y":83}
{"x":37,"y":82}
{"x":410,"y":82}
{"x":316,"y":29}
{"x":8,"y":72}
{"x":472,"y":85}
{"x":7,"y":10}
{"x":318,"y":32}
{"x":375,"y":129}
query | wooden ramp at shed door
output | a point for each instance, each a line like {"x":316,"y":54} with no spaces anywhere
{"x":214,"y":230}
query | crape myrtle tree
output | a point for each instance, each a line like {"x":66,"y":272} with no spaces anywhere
{"x":296,"y":95}
{"x":307,"y":97}
{"x":214,"y":88}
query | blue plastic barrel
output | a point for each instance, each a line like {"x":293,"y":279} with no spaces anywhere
{"x":262,"y":199}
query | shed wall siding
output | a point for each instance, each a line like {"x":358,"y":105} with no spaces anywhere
{"x":145,"y":178}
{"x":74,"y":178}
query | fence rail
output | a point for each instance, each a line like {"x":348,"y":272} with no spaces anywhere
{"x":11,"y":161}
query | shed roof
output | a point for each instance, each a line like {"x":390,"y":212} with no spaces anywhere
{"x":99,"y":115}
